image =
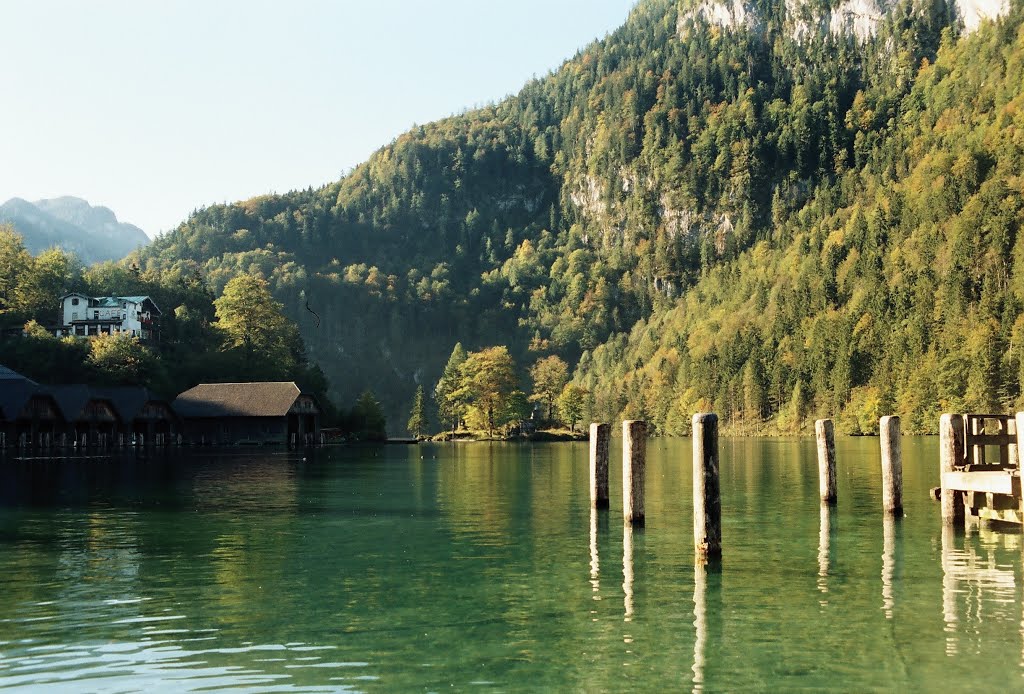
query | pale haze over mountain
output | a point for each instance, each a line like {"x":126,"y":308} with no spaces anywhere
{"x":92,"y":233}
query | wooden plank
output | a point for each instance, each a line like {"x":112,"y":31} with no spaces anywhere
{"x":1008,"y":515}
{"x":990,"y":439}
{"x":998,"y":417}
{"x":997,"y":482}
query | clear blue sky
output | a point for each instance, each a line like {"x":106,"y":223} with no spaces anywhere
{"x":156,"y":108}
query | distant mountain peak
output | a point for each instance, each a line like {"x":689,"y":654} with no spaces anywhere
{"x":91,"y":232}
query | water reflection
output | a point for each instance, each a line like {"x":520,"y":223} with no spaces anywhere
{"x":627,"y":571}
{"x":392,"y":560}
{"x":976,"y":586}
{"x":891,"y":557}
{"x":707,"y":618}
{"x":825,"y":530}
{"x":595,"y":562}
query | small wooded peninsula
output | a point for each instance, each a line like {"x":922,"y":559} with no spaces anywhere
{"x":776,"y":213}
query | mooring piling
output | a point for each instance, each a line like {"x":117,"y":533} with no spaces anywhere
{"x":825,"y":433}
{"x":951,"y":452}
{"x":634,"y":464}
{"x":707,"y":502}
{"x":892,"y":465}
{"x":600,"y":439}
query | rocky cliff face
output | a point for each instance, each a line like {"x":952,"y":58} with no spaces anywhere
{"x":859,"y":18}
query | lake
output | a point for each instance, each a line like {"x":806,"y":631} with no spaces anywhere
{"x":481,"y":566}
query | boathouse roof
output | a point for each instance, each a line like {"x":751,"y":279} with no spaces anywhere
{"x":7,"y":374}
{"x":257,"y":399}
{"x":129,"y":401}
{"x":73,"y":400}
{"x":15,"y":393}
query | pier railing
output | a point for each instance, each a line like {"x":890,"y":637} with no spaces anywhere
{"x":984,"y":430}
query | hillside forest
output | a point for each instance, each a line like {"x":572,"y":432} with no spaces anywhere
{"x":239,"y":336}
{"x":772,"y":224}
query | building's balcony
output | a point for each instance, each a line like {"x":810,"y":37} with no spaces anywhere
{"x":96,"y":321}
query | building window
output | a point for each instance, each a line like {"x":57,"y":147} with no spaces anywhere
{"x":74,"y":301}
{"x":96,"y":315}
{"x":124,"y":316}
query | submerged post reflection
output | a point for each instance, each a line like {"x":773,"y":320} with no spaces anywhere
{"x":707,"y":615}
{"x":627,"y":571}
{"x":890,"y":557}
{"x":826,"y":528}
{"x":595,"y":562}
{"x":978,"y":586}
{"x":949,"y":616}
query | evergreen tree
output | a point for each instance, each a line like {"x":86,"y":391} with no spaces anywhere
{"x":418,"y":416}
{"x":447,"y":393}
{"x":367,"y":420}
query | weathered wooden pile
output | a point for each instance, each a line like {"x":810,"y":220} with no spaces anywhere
{"x":974,"y":484}
{"x":707,"y":503}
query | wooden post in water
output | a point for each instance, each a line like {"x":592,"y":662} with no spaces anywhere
{"x":892,"y":465}
{"x":1017,"y":449}
{"x":951,"y":453}
{"x":825,"y":432}
{"x":707,"y":500}
{"x":600,"y":440}
{"x":634,"y":464}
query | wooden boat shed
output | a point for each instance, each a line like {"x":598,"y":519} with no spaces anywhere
{"x":248,"y":413}
{"x":145,"y":419}
{"x":28,"y":414}
{"x":92,"y":419}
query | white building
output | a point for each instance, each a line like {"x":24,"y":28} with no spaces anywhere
{"x":96,"y":315}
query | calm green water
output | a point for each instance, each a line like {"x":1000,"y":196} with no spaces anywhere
{"x":481,"y":567}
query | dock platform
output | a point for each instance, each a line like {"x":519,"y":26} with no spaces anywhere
{"x":981,"y":468}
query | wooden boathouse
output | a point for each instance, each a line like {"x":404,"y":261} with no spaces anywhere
{"x":29,"y":415}
{"x":248,"y":413}
{"x":91,"y":419}
{"x":145,"y":418}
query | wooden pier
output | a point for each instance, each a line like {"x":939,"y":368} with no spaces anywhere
{"x":980,"y":468}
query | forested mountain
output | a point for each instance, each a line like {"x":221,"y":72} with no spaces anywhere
{"x":92,"y":233}
{"x":771,"y":209}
